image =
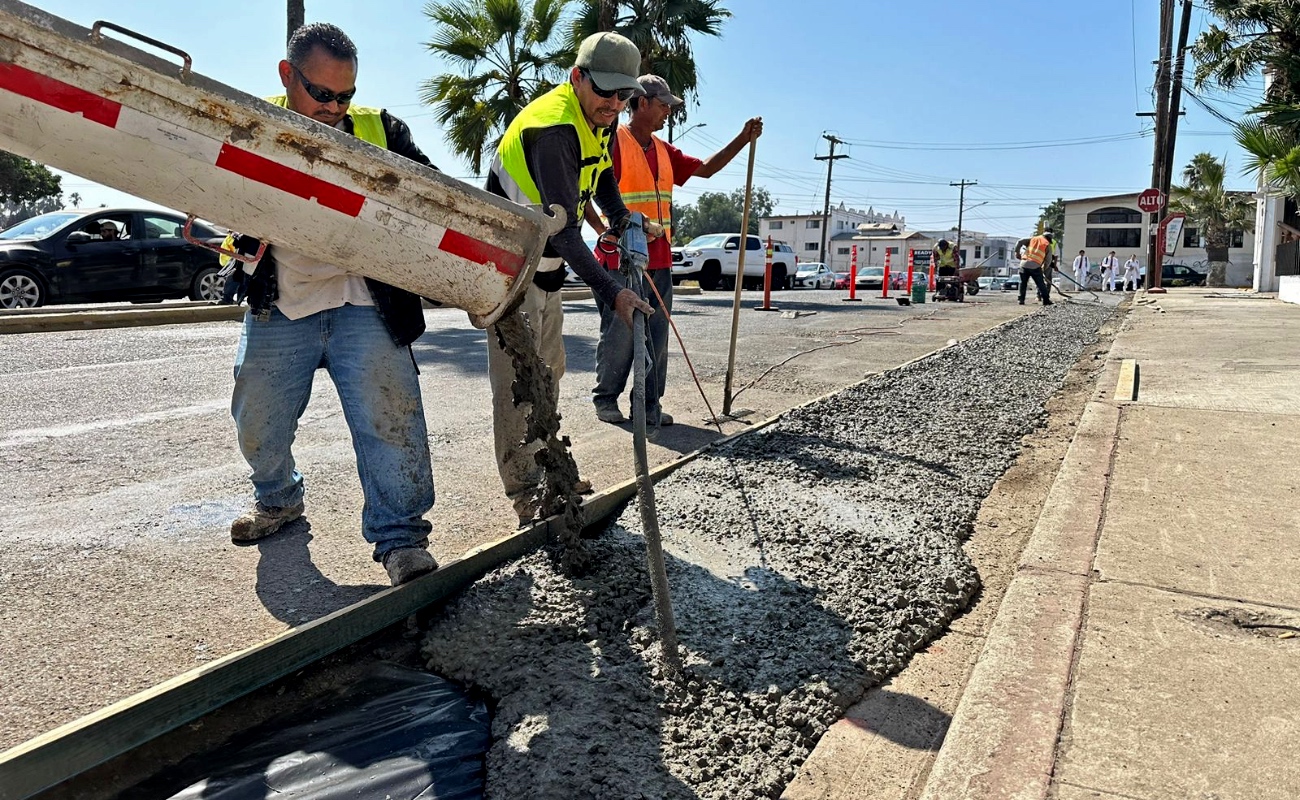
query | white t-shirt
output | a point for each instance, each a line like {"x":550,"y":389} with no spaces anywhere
{"x":308,"y":286}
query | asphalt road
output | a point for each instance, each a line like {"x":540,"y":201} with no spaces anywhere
{"x":119,"y":468}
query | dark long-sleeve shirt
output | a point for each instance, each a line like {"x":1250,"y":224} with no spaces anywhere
{"x":554,"y":158}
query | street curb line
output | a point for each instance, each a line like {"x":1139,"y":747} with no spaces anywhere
{"x":96,"y":320}
{"x":1003,"y":736}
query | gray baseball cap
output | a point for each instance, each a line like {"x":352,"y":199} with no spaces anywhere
{"x":612,"y":60}
{"x":657,"y":87}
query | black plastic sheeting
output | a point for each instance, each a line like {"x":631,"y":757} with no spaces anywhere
{"x":395,"y":733}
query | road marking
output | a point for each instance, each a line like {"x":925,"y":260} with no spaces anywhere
{"x":27,"y":436}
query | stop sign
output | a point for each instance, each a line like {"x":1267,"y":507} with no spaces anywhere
{"x":1151,"y":201}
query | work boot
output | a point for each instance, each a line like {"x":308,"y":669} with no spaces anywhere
{"x":610,"y":414}
{"x":262,"y":521}
{"x":582,"y":486}
{"x":408,"y":563}
{"x":658,"y":419}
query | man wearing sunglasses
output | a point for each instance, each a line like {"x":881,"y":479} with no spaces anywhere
{"x":556,"y":151}
{"x":646,"y":168}
{"x":304,"y":315}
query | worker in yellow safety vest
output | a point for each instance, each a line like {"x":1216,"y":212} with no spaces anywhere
{"x":556,"y":152}
{"x":647,"y":168}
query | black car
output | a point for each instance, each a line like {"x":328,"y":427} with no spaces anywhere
{"x":103,"y":255}
{"x":1180,"y":275}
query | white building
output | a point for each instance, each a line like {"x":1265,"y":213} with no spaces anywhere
{"x":803,"y":232}
{"x":1098,"y":225}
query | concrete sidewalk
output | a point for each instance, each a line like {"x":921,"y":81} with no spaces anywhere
{"x":1148,"y":644}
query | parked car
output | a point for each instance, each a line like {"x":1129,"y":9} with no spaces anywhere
{"x":106,"y":254}
{"x":815,"y":275}
{"x":841,"y":280}
{"x":990,"y":282}
{"x":712,"y":259}
{"x":871,"y":277}
{"x":1011,"y":283}
{"x":1180,"y":275}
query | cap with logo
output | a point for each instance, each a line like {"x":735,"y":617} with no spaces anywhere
{"x":612,"y":60}
{"x":656,"y":87}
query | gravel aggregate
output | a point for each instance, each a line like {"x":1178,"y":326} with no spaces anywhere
{"x":807,"y":561}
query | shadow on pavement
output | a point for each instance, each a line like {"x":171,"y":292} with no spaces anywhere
{"x":289,"y":584}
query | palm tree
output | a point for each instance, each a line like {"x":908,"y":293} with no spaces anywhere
{"x":1255,"y":35}
{"x":504,"y":57}
{"x":1217,"y":212}
{"x":661,"y":29}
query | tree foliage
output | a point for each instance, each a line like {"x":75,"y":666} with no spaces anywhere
{"x":1216,"y":212}
{"x":505,"y":54}
{"x":718,"y":212}
{"x":26,"y":189}
{"x":1248,"y":37}
{"x":1053,"y":216}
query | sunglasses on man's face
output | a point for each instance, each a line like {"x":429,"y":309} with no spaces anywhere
{"x":623,"y":95}
{"x":324,"y":95}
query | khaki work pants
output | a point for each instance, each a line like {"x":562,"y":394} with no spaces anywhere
{"x":520,"y":473}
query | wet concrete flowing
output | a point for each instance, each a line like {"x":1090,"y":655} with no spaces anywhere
{"x":534,"y":386}
{"x":807,"y":562}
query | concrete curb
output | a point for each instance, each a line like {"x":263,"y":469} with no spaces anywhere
{"x":42,"y":320}
{"x":1003,"y":736}
{"x":126,"y":318}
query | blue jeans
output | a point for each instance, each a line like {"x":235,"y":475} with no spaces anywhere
{"x":380,"y":393}
{"x":614,"y":351}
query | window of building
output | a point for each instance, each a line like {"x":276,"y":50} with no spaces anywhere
{"x":776,"y":224}
{"x":811,"y":246}
{"x":979,"y":251}
{"x":1191,"y":237}
{"x":1115,"y":215}
{"x":1237,"y":239}
{"x":812,"y":224}
{"x":893,"y":251}
{"x":1114,"y":238}
{"x":842,"y":251}
{"x":1002,"y":252}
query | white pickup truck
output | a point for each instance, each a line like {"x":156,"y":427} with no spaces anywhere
{"x":711,"y":259}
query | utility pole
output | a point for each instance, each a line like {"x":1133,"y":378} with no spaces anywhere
{"x":1162,"y":127}
{"x":961,"y":207}
{"x":297,"y":14}
{"x":826,"y":209}
{"x":1176,"y":97}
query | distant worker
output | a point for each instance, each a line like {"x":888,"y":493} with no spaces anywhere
{"x":1081,"y":269}
{"x":946,"y":262}
{"x":1036,"y":260}
{"x":556,"y":151}
{"x":108,"y":231}
{"x":304,"y":315}
{"x":646,"y":168}
{"x":1109,"y":272}
{"x":1131,"y":269}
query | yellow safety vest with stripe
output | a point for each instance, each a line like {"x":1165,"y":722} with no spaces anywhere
{"x":557,"y":107}
{"x":1037,"y":250}
{"x":640,"y":189}
{"x":367,"y":125}
{"x":947,"y":258}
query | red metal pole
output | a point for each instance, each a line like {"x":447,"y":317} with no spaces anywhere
{"x":767,"y":275}
{"x":911,"y":265}
{"x":853,"y":278}
{"x":884,"y":284}
{"x":767,"y":280}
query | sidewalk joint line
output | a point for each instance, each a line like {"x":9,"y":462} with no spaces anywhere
{"x":1102,"y":791}
{"x":1202,"y":595}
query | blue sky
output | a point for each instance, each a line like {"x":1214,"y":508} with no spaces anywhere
{"x":926,"y":92}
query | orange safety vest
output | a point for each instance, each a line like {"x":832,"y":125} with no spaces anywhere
{"x":1038,"y":249}
{"x":640,"y":190}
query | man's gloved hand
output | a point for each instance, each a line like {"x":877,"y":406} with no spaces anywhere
{"x":626,"y":301}
{"x":653,"y":230}
{"x":607,"y":259}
